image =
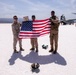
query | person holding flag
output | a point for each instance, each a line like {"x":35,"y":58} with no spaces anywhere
{"x":16,"y":29}
{"x":34,"y":41}
{"x":54,"y":32}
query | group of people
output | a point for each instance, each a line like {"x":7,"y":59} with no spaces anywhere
{"x":34,"y":41}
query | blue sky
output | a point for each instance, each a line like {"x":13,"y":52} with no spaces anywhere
{"x":40,"y":8}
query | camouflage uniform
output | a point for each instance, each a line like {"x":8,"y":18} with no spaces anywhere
{"x":54,"y":34}
{"x":16,"y":30}
{"x":34,"y":41}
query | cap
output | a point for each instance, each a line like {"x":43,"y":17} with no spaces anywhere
{"x":15,"y":17}
{"x":33,"y":15}
{"x":53,"y":12}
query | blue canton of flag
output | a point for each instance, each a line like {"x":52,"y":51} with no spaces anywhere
{"x":27,"y":26}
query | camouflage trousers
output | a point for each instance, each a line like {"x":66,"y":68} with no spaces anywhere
{"x":54,"y":39}
{"x":15,"y":40}
{"x":34,"y":42}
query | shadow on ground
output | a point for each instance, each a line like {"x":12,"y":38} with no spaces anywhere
{"x":33,"y":57}
{"x":36,"y":71}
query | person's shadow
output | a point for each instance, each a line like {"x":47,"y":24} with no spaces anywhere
{"x":14,"y":57}
{"x":36,"y":71}
{"x":33,"y":57}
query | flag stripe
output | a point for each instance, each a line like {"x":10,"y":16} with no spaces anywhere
{"x":41,"y":23}
{"x":33,"y":36}
{"x":37,"y":21}
{"x":24,"y":33}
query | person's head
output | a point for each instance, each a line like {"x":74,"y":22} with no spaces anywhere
{"x":26,"y":18}
{"x":52,"y":13}
{"x":33,"y":17}
{"x":15,"y":18}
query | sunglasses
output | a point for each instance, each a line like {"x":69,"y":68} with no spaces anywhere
{"x":15,"y":18}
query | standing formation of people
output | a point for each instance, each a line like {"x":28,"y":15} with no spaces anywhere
{"x":34,"y":41}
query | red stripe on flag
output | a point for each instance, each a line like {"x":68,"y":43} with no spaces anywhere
{"x":40,"y":20}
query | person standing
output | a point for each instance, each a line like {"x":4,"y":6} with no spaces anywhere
{"x":54,"y":33}
{"x":16,"y":29}
{"x":34,"y":41}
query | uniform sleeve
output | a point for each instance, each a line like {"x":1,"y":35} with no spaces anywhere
{"x":20,"y":24}
{"x":13,"y":30}
{"x":57,"y":18}
{"x":56,"y":21}
{"x":50,"y":20}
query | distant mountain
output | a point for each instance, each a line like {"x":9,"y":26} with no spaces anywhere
{"x":9,"y":20}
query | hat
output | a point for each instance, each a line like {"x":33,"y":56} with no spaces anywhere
{"x":53,"y":12}
{"x":33,"y":16}
{"x":15,"y":17}
{"x":26,"y":18}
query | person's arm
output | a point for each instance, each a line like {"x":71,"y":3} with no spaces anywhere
{"x":13,"y":30}
{"x":55,"y":21}
{"x":20,"y":24}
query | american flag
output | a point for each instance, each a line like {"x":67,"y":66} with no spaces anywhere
{"x":34,"y":29}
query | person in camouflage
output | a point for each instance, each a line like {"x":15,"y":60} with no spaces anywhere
{"x":54,"y":32}
{"x":34,"y":41}
{"x":16,"y":29}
